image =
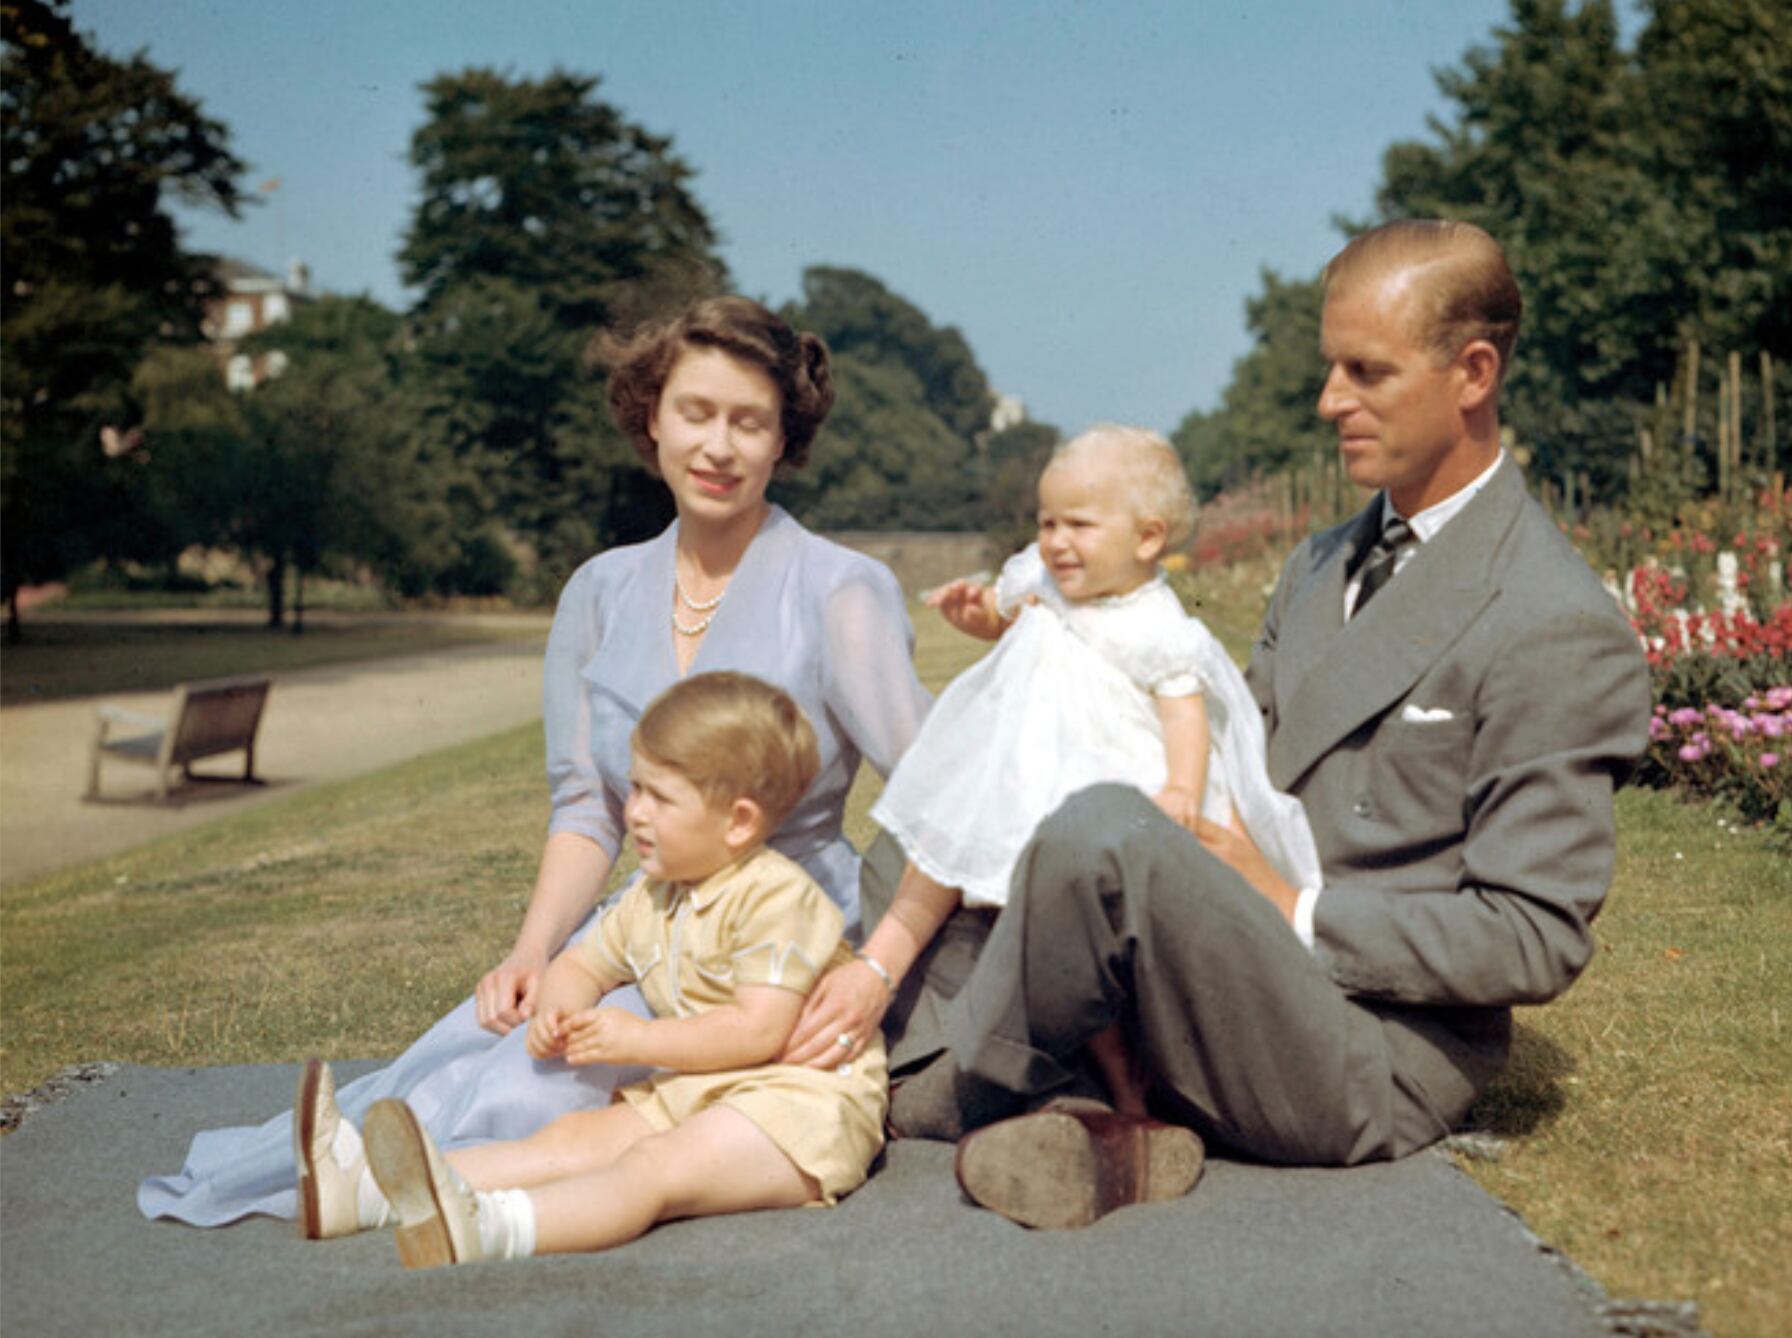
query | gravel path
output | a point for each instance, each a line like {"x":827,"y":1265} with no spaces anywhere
{"x":320,"y":724}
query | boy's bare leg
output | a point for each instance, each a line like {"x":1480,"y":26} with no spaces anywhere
{"x":718,"y":1161}
{"x":1125,"y":1083}
{"x":573,"y":1145}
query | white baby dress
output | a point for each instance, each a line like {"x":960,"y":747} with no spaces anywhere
{"x":1063,"y":702}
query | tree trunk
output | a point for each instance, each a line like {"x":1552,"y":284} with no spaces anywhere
{"x":15,"y":630}
{"x":277,"y":592}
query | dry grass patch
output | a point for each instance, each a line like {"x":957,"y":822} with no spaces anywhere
{"x":1651,"y":1108}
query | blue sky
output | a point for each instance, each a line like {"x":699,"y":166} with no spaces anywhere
{"x":1087,"y":190}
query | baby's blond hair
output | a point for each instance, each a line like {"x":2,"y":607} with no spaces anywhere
{"x":1156,"y":484}
{"x":732,"y":736}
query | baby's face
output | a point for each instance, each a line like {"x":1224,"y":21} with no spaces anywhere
{"x":1090,"y":537}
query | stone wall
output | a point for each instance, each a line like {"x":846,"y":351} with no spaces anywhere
{"x":923,"y":560}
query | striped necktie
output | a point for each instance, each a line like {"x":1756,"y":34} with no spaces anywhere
{"x":1378,"y":562}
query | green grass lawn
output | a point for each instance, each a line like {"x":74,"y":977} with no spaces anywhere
{"x":78,"y":656}
{"x":1648,"y":1115}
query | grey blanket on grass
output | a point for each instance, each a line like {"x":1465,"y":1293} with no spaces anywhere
{"x":1413,"y":1248}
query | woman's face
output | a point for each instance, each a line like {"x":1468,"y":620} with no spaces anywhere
{"x":718,"y":430}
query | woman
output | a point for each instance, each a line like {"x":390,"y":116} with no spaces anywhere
{"x":715,"y":401}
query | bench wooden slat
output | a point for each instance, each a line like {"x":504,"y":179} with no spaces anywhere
{"x":207,"y":718}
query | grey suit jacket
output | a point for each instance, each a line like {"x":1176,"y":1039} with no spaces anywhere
{"x":1456,"y":747}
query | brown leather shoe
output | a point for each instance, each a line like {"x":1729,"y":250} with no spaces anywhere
{"x":1066,"y":1167}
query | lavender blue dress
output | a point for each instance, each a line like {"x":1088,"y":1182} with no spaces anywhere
{"x":827,"y":625}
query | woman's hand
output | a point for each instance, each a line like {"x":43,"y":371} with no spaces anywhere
{"x":970,"y":607}
{"x":849,"y":1001}
{"x":505,"y":997}
{"x":1232,"y":845}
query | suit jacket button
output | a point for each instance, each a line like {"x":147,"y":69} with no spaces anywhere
{"x":1361,"y":808}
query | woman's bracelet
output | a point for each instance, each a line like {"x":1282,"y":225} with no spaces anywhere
{"x":883,"y":972}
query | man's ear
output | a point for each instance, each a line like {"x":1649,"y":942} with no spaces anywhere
{"x":1152,"y":533}
{"x":746,"y":825}
{"x":1479,"y":363}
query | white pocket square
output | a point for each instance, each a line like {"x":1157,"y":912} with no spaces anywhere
{"x":1420,"y":715}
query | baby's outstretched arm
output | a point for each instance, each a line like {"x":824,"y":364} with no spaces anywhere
{"x":749,"y":1031}
{"x":1186,"y":743}
{"x":970,"y":606}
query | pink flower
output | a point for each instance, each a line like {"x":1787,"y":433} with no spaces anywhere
{"x":1769,"y":761}
{"x":1691,"y":753}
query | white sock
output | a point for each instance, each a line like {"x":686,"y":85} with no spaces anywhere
{"x":506,"y":1223}
{"x":346,"y":1150}
{"x":372,"y":1208}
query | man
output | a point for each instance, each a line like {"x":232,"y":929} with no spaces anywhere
{"x":1453,"y":698}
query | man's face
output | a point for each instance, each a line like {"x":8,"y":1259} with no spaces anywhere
{"x":1398,"y":412}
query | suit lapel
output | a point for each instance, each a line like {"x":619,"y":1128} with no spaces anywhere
{"x":1349,"y":673}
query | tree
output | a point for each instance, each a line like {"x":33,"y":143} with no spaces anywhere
{"x":94,"y":273}
{"x":542,"y":185}
{"x":1013,"y":460}
{"x":1267,"y":421}
{"x":544,"y":215}
{"x":316,"y":465}
{"x":883,"y":461}
{"x":1644,"y":200}
{"x":859,"y":316}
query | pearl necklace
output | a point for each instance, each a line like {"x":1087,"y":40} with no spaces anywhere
{"x":706,"y":607}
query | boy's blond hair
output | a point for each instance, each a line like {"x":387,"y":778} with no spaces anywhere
{"x":1155,"y":481}
{"x":732,"y":736}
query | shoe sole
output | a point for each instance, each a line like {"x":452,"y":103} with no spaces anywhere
{"x":304,"y":1129}
{"x":399,"y":1154}
{"x":1052,"y":1171}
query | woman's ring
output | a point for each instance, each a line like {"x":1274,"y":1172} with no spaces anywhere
{"x":844,"y":1040}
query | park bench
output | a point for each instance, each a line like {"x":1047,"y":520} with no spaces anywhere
{"x":220,"y":715}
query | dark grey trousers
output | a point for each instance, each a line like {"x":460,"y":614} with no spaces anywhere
{"x":1119,"y":915}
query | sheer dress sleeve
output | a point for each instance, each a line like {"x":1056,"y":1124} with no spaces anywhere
{"x":868,"y":667}
{"x":1023,"y":575}
{"x":581,"y":803}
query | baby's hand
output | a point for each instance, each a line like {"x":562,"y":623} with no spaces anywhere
{"x":970,"y":607}
{"x":547,"y":1034}
{"x":604,"y":1036}
{"x":1180,"y":804}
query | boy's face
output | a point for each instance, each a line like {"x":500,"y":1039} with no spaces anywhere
{"x":678,"y":833}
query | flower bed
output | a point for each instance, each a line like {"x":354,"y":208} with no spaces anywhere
{"x":1711,"y":608}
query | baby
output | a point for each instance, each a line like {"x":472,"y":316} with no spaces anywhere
{"x":725,"y":938}
{"x":1098,"y":675}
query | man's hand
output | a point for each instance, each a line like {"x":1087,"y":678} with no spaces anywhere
{"x":970,"y":607}
{"x":505,"y":996}
{"x":1232,"y":845}
{"x":605,"y":1036}
{"x":1180,"y":804}
{"x":849,"y":1000}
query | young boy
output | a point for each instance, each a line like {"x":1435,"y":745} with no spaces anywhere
{"x":724,"y":937}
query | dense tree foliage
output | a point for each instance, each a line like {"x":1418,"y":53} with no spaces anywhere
{"x":314,"y":468}
{"x":1645,"y":200}
{"x":94,"y":274}
{"x":545,"y":214}
{"x":1265,"y":423}
{"x":902,"y":449}
{"x":859,"y":316}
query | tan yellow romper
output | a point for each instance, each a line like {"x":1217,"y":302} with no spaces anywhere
{"x":761,"y":921}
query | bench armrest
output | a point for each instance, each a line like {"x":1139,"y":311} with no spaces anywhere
{"x":119,"y":715}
